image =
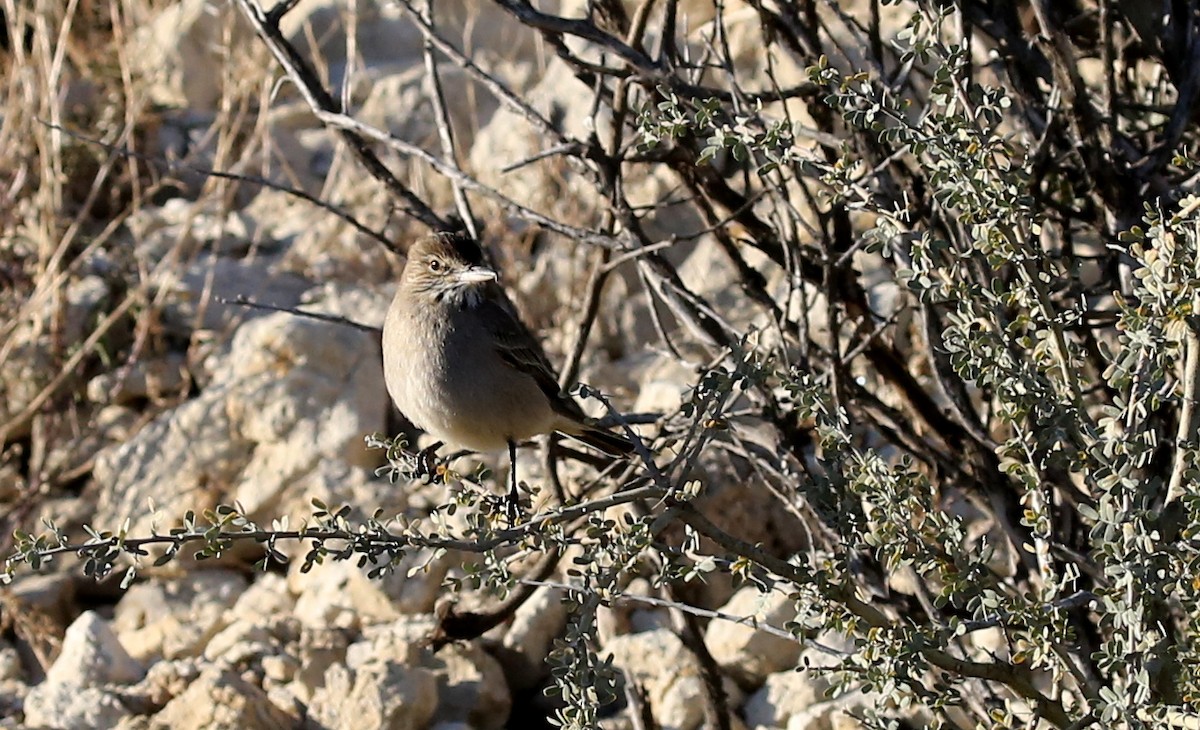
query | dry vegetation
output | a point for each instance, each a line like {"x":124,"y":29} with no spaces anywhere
{"x":925,"y":275}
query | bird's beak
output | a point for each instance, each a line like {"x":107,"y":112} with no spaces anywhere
{"x":475,"y":275}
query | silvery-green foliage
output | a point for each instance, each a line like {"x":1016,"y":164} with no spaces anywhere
{"x":995,"y":470}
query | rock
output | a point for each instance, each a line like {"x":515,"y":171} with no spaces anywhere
{"x":268,"y":596}
{"x":783,"y":695}
{"x":471,"y":687}
{"x":222,"y":700}
{"x":176,"y":51}
{"x":164,"y":681}
{"x":630,"y":616}
{"x":285,"y":384}
{"x":282,"y":697}
{"x":174,"y":618}
{"x":170,"y":466}
{"x":12,"y":700}
{"x":77,"y":688}
{"x":468,"y":684}
{"x":663,"y":381}
{"x":86,"y":300}
{"x":314,"y":383}
{"x":179,"y":51}
{"x":530,"y":637}
{"x":329,"y":249}
{"x":202,"y":295}
{"x":50,"y":594}
{"x":23,"y":373}
{"x":10,"y":662}
{"x":381,"y":693}
{"x":388,"y":41}
{"x":338,"y":484}
{"x":92,"y":655}
{"x":56,"y":705}
{"x":238,"y":641}
{"x":832,"y":715}
{"x":402,"y":640}
{"x":280,"y":669}
{"x":31,"y":356}
{"x":317,"y":649}
{"x":749,"y":654}
{"x":75,"y":692}
{"x":338,"y":594}
{"x":754,"y":515}
{"x":557,"y":188}
{"x":667,"y":671}
{"x":154,"y":379}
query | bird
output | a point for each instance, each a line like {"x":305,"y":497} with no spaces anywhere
{"x":461,"y":366}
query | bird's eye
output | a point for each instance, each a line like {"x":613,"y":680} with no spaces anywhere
{"x":435,"y":265}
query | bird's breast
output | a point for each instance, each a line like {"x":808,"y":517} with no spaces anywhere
{"x":445,"y":375}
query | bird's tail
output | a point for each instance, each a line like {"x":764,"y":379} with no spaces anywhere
{"x":610,"y":443}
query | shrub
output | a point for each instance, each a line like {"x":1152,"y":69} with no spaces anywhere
{"x":959,"y":347}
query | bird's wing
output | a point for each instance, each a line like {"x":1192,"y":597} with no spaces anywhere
{"x":521,"y":350}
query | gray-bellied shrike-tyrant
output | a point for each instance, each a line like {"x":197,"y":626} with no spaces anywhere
{"x":461,"y":366}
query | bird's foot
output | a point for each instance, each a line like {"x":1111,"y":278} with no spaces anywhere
{"x":512,"y":508}
{"x":513,"y":503}
{"x":427,"y":467}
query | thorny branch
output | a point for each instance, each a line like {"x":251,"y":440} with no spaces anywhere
{"x":840,"y":196}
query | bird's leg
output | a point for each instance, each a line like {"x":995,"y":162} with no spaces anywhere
{"x":514,"y":499}
{"x":427,"y":462}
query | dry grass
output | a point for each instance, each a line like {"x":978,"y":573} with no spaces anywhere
{"x":79,"y":151}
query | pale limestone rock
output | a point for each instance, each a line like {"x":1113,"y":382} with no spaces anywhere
{"x":663,"y":383}
{"x":164,"y":681}
{"x":10,"y":662}
{"x":201,"y":294}
{"x":379,"y":694}
{"x":831,"y":715}
{"x":267,"y":596}
{"x":70,"y":707}
{"x":387,"y":41}
{"x":28,"y":363}
{"x":310,"y":384}
{"x":670,"y":674}
{"x":279,"y":669}
{"x":12,"y":698}
{"x":153,"y":378}
{"x":401,"y":640}
{"x":471,"y":687}
{"x":530,"y":637}
{"x":291,"y":395}
{"x":50,"y":594}
{"x":221,"y":700}
{"x":337,"y":593}
{"x":92,"y":655}
{"x":76,"y":692}
{"x":180,"y":52}
{"x":230,"y":643}
{"x":469,"y":683}
{"x":630,"y":616}
{"x":745,"y":652}
{"x":174,"y":618}
{"x":86,"y":299}
{"x":317,"y":650}
{"x":783,"y":695}
{"x":340,"y":593}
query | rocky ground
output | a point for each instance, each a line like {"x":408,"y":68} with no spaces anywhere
{"x":222,"y":404}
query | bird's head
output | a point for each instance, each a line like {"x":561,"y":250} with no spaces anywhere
{"x":447,"y":268}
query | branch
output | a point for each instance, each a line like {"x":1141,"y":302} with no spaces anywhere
{"x":309,"y":86}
